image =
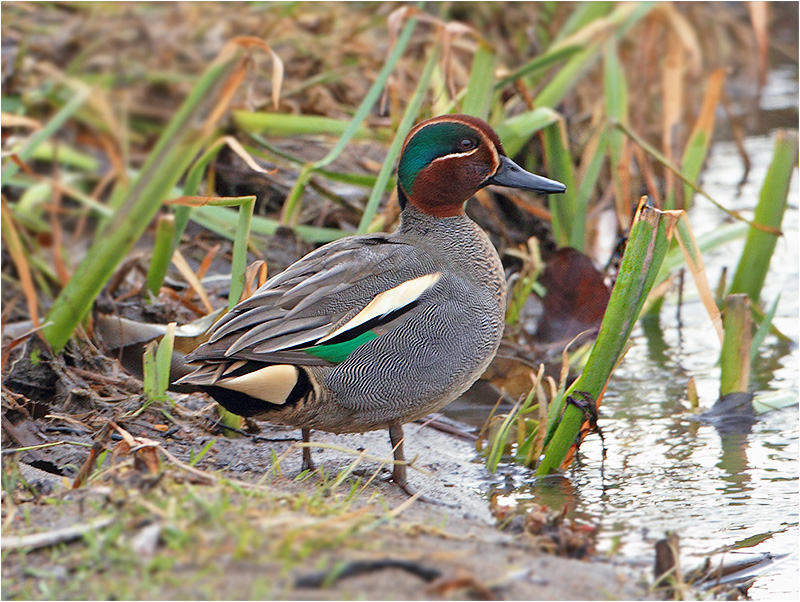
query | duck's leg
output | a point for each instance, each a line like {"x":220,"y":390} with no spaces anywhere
{"x":308,"y":463}
{"x":399,"y":471}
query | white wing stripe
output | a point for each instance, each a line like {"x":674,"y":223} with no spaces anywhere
{"x":386,"y":302}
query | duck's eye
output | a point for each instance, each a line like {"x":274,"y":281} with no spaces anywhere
{"x":468,"y":144}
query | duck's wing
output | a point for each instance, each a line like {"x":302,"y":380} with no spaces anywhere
{"x":320,"y":309}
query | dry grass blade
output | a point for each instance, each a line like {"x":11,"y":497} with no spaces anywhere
{"x":240,"y":151}
{"x":238,"y":74}
{"x":208,"y":201}
{"x":694,"y":259}
{"x":759,"y":16}
{"x":687,"y":35}
{"x":449,"y":32}
{"x":186,"y":271}
{"x":17,"y":252}
{"x":672,"y":98}
{"x":256,"y":271}
{"x":12,"y":120}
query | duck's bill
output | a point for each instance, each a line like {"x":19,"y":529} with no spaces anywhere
{"x":512,"y":175}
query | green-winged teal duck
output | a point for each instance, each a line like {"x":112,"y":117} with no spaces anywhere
{"x":373,"y":331}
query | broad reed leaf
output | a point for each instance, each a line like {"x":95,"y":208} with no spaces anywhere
{"x":759,"y":246}
{"x":516,"y":131}
{"x":735,"y":357}
{"x":223,"y":221}
{"x":616,"y":96}
{"x":162,"y":253}
{"x":591,"y":163}
{"x":584,"y":13}
{"x":647,"y":246}
{"x":559,"y":167}
{"x":538,"y":64}
{"x":279,"y":124}
{"x":239,"y":254}
{"x":479,"y":89}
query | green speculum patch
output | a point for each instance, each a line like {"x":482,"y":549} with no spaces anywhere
{"x":338,"y":352}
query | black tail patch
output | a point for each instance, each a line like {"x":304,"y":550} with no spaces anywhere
{"x":247,"y":406}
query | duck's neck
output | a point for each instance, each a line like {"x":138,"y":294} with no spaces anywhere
{"x":414,"y":220}
{"x":440,"y":199}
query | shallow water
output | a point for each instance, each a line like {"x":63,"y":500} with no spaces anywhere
{"x":664,"y":471}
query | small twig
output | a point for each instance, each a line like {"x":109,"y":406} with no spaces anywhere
{"x":352,"y":569}
{"x":42,"y":446}
{"x":41,"y":540}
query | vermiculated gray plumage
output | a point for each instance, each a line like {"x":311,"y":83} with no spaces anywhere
{"x":453,"y":330}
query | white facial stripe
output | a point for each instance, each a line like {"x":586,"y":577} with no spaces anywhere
{"x":272,"y":384}
{"x":454,"y":155}
{"x":388,"y":301}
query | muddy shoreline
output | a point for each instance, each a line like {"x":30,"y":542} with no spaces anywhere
{"x":397,"y":548}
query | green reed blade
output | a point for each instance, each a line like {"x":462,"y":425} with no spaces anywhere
{"x":406,"y":123}
{"x":559,"y":167}
{"x":584,"y":14}
{"x":735,"y":356}
{"x":37,"y":138}
{"x":224,"y":221}
{"x":615,"y":88}
{"x":759,"y":246}
{"x":620,"y":20}
{"x":280,"y":124}
{"x":162,"y":253}
{"x":763,"y":329}
{"x":590,"y":175}
{"x":479,"y":89}
{"x":538,"y":65}
{"x":647,"y":246}
{"x":516,"y":131}
{"x":291,"y":208}
{"x":239,"y":259}
{"x":372,"y":96}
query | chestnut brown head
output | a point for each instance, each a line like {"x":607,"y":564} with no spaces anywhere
{"x":447,"y":159}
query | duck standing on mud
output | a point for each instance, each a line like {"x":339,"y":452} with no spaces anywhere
{"x":372,"y":331}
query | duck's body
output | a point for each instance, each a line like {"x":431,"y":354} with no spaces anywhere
{"x":372,"y":331}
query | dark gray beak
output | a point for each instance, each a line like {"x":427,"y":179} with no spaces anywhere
{"x":512,"y":175}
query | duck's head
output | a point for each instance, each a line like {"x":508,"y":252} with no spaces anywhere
{"x":447,"y":159}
